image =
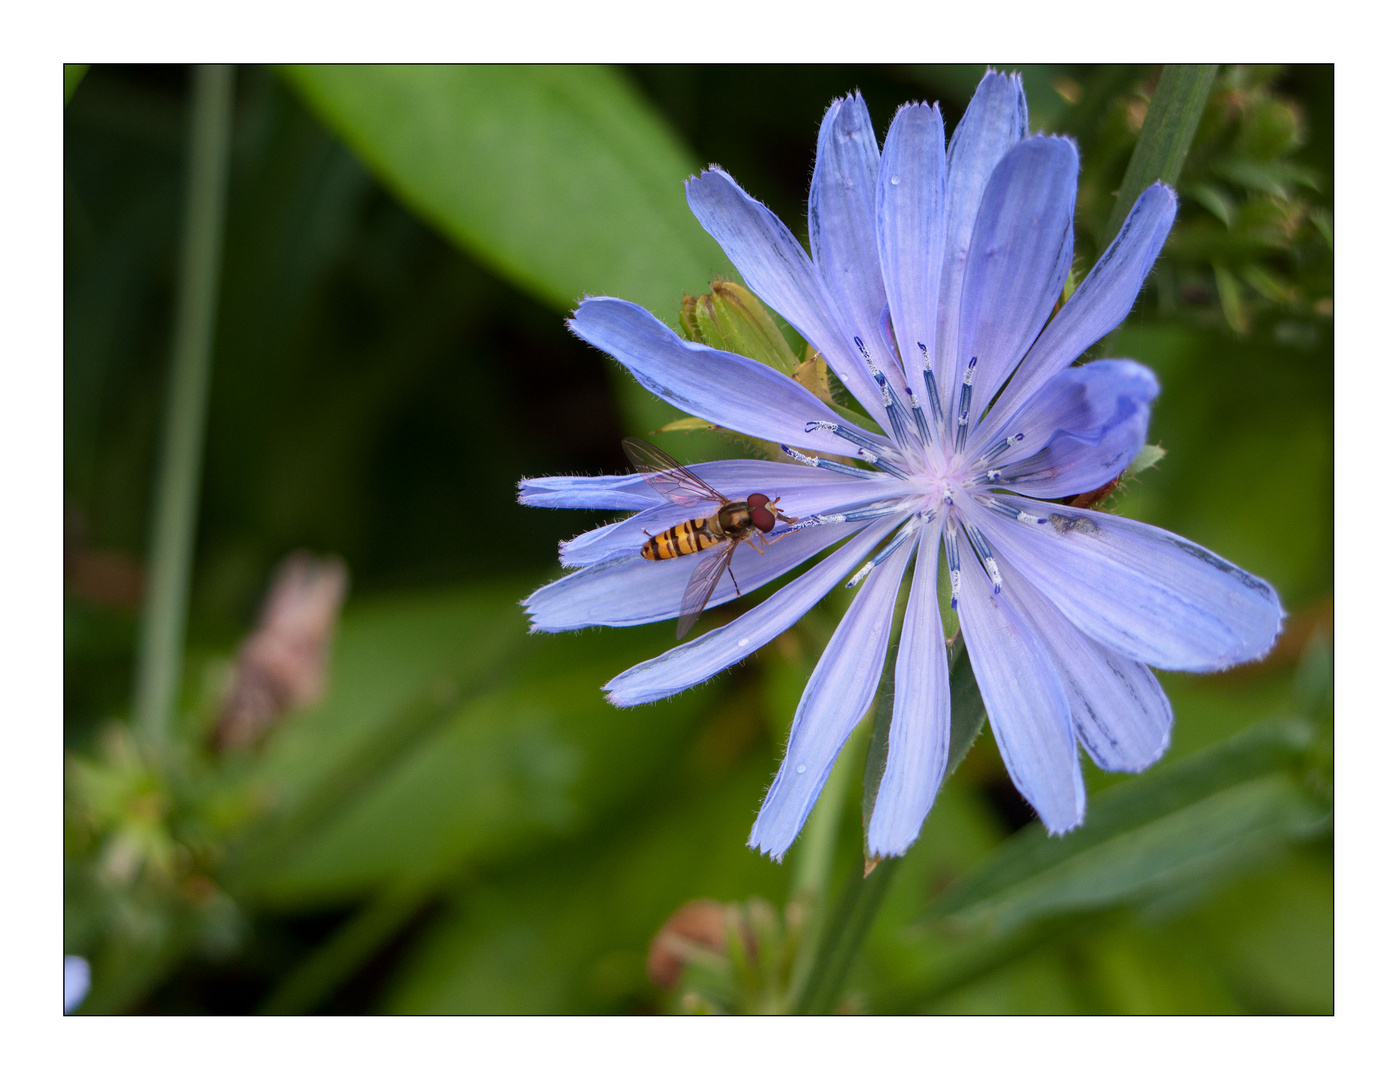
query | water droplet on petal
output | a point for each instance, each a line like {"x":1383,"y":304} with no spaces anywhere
{"x":893,"y":179}
{"x":800,"y":768}
{"x":743,"y":642}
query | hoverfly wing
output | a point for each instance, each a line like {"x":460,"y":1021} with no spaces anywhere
{"x":668,"y":477}
{"x":701,"y":586}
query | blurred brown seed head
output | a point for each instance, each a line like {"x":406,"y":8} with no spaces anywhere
{"x":281,"y":666}
{"x":701,"y":925}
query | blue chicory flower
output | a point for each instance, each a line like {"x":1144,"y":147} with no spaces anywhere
{"x":932,"y":277}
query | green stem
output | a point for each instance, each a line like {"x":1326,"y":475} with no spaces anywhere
{"x":161,"y":656}
{"x":814,"y":859}
{"x":1168,"y":131}
{"x":844,"y":934}
{"x":817,"y":851}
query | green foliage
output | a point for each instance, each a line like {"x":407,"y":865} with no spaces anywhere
{"x":561,"y":178}
{"x":1202,"y":817}
{"x":72,"y":77}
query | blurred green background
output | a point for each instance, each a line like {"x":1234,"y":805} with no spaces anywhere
{"x":463,"y":824}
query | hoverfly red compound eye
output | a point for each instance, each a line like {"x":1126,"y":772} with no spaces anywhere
{"x":761,"y":516}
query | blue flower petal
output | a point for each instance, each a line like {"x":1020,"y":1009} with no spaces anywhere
{"x":911,"y":213}
{"x":777,"y":269}
{"x":803,"y":491}
{"x":921,"y":727}
{"x":1120,"y":714}
{"x":839,"y":692}
{"x":1024,"y":700}
{"x":1019,"y":256}
{"x":701,"y":659}
{"x":996,"y":119}
{"x":1083,"y":401}
{"x":1151,"y":595}
{"x":721,"y":387}
{"x":1098,"y":305}
{"x":1091,"y":422}
{"x":841,"y":215}
{"x":634,"y":590}
{"x":629,"y":492}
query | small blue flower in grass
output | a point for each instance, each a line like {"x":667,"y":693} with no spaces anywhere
{"x":932,"y":277}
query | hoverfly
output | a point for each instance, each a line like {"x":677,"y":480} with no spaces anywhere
{"x":734,"y":522}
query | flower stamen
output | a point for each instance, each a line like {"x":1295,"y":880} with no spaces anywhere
{"x":963,"y":407}
{"x":929,"y":378}
{"x":849,"y":434}
{"x":954,"y":563}
{"x":821,"y":463}
{"x":923,"y":431}
{"x":898,"y":418}
{"x":1010,"y":512}
{"x":982,"y":546}
{"x":880,"y":462}
{"x":899,"y":538}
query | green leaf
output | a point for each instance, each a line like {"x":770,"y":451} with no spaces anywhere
{"x":452,"y":738}
{"x":568,"y":932}
{"x":1182,"y":825}
{"x":560,"y":178}
{"x":1171,"y":120}
{"x":72,"y":76}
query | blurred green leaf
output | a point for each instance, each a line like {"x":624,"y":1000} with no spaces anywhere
{"x":570,"y":933}
{"x":562,"y":179}
{"x":1200,"y":818}
{"x":455,"y":738}
{"x":72,"y":77}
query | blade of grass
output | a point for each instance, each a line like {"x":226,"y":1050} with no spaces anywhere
{"x":161,"y":655}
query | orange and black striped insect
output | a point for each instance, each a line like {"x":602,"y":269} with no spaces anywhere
{"x":736,"y":521}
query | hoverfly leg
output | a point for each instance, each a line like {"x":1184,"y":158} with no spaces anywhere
{"x":729,"y":567}
{"x":759,"y":550}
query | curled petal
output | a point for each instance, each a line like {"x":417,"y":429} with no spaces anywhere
{"x":1099,"y":304}
{"x":721,"y":387}
{"x":701,"y":659}
{"x":911,"y":213}
{"x":1144,"y":592}
{"x":1090,"y":421}
{"x":996,"y":119}
{"x":633,"y":590}
{"x":838,"y":694}
{"x":1024,"y":701}
{"x":1120,"y":714}
{"x":921,"y":727}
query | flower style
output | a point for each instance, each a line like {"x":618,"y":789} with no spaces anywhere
{"x":932,"y":277}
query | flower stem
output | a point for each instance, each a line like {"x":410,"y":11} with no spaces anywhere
{"x":1166,"y":134}
{"x":161,"y":656}
{"x":815,"y":857}
{"x":844,"y":933}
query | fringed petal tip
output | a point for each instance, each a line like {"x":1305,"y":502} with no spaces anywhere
{"x":1062,"y":829}
{"x":771,"y":852}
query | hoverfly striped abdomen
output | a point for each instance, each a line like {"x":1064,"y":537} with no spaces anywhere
{"x":683,"y":539}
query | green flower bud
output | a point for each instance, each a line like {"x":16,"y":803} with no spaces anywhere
{"x":731,"y":318}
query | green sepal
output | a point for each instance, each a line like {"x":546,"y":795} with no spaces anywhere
{"x":731,"y":318}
